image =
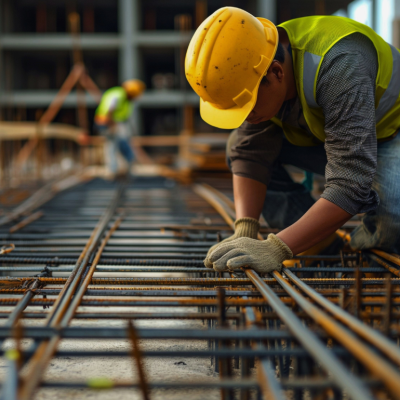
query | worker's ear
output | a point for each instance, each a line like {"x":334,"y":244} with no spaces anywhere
{"x":276,"y":69}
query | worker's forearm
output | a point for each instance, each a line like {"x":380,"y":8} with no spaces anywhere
{"x":249,"y":197}
{"x":321,"y":220}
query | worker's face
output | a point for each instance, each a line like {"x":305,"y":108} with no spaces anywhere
{"x":271,"y":95}
{"x":129,"y":96}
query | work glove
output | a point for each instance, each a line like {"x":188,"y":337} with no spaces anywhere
{"x":244,"y":227}
{"x":261,"y":256}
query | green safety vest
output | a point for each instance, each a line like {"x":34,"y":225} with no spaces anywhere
{"x":124,"y":107}
{"x":310,"y":39}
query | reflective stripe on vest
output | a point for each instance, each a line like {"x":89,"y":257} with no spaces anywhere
{"x":311,"y":62}
{"x":391,"y":94}
{"x":387,"y":101}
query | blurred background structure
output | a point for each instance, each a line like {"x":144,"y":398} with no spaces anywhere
{"x":119,"y":40}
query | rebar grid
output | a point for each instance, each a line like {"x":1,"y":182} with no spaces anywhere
{"x":326,"y":328}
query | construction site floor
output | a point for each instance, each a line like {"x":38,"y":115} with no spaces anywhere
{"x":103,"y":294}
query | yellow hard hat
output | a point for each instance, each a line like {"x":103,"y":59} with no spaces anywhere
{"x":227,"y":57}
{"x":134,"y":87}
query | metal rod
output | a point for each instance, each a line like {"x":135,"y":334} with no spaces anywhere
{"x":377,"y":365}
{"x":373,"y":336}
{"x":138,"y":360}
{"x":46,"y":349}
{"x":340,"y":373}
{"x":79,"y":260}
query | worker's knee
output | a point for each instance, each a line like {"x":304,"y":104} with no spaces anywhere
{"x":126,"y":150}
{"x":388,"y":231}
{"x":378,"y":230}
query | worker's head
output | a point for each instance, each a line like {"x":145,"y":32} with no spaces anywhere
{"x":272,"y":91}
{"x":134,"y":88}
{"x":230,"y":57}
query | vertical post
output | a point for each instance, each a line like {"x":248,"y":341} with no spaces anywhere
{"x":128,"y":23}
{"x":2,"y":7}
{"x":88,"y":19}
{"x":6,"y":25}
{"x":75,"y":22}
{"x":396,"y":24}
{"x":129,"y":66}
{"x":245,"y":362}
{"x":267,"y":9}
{"x":343,"y":298}
{"x":387,"y":309}
{"x":1,"y":165}
{"x":320,"y":7}
{"x":374,"y":16}
{"x":183,"y":23}
{"x":225,"y":366}
{"x":201,"y":12}
{"x":357,"y":292}
{"x":41,"y":18}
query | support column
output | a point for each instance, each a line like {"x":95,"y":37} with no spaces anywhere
{"x":129,"y":55}
{"x":267,"y":9}
{"x":396,"y":24}
{"x":1,"y":58}
{"x":128,"y":27}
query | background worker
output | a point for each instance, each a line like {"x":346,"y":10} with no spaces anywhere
{"x":319,"y":93}
{"x":112,"y":120}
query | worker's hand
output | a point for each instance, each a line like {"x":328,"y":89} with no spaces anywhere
{"x":101,"y":120}
{"x":244,"y":227}
{"x":262,"y":256}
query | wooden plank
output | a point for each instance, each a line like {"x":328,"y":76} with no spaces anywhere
{"x":28,"y":130}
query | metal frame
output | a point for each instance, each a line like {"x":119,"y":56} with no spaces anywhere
{"x":319,"y":330}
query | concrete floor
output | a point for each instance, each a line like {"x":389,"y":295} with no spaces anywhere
{"x":165,"y":369}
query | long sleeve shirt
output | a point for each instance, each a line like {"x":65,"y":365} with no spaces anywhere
{"x":346,"y":94}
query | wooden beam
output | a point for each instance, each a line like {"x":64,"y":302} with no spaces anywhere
{"x":11,"y":131}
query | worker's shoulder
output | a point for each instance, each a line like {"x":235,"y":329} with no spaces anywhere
{"x":351,"y":50}
{"x":115,"y":90}
{"x":310,"y":22}
{"x":321,"y":32}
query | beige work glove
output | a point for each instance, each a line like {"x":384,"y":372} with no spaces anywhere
{"x":262,"y":256}
{"x":244,"y":227}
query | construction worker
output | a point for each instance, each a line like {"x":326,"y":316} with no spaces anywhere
{"x":320,"y":93}
{"x":111,"y":120}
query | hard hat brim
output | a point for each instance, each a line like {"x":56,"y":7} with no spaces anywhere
{"x":230,"y":118}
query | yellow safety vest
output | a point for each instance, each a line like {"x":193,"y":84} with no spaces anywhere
{"x":124,"y":106}
{"x":310,"y":39}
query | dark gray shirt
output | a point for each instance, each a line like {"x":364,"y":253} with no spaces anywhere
{"x":346,"y":94}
